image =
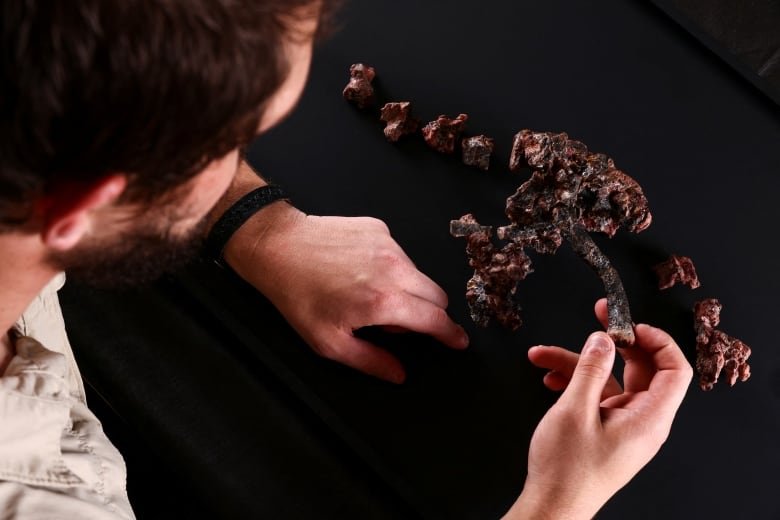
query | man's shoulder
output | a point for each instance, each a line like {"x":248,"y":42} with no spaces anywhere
{"x":53,"y":451}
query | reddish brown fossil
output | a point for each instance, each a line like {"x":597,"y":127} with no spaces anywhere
{"x":677,"y":269}
{"x":477,"y":151}
{"x":571,"y":192}
{"x":399,"y":119}
{"x":491,"y":291}
{"x":359,"y":89}
{"x":442,"y":133}
{"x":716,"y":351}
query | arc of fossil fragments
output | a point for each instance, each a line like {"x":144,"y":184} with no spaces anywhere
{"x":571,"y":192}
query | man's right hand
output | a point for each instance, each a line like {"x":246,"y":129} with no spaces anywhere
{"x":600,"y":434}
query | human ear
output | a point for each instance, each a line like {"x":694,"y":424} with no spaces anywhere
{"x":69,"y":212}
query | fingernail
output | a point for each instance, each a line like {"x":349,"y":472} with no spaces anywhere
{"x":598,"y":343}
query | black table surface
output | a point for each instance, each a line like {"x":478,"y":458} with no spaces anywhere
{"x":224,"y":412}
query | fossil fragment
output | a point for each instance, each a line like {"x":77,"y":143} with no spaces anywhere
{"x":442,"y":133}
{"x":491,"y":291}
{"x":610,"y":199}
{"x":477,"y":151}
{"x":571,"y":192}
{"x":400,"y":122}
{"x":621,"y":328}
{"x":677,"y":269}
{"x":359,"y":89}
{"x":716,"y":351}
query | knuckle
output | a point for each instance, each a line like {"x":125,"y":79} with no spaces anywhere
{"x":591,"y":370}
{"x":377,"y":224}
{"x":688,"y":373}
{"x":438,"y":317}
{"x":388,"y":257}
{"x":381,"y":301}
{"x":568,"y":417}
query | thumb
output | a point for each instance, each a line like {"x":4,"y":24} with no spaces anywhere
{"x":592,"y":372}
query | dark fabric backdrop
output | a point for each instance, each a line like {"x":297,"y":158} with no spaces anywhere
{"x":744,"y":34}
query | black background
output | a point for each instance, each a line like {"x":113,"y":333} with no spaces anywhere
{"x":211,"y":393}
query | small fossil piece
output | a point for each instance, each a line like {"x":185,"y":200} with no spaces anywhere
{"x":398,"y":116}
{"x":468,"y":225}
{"x":442,"y":133}
{"x":359,"y":89}
{"x":677,"y":269}
{"x":477,"y":151}
{"x":716,"y":351}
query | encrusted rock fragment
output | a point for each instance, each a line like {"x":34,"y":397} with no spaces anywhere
{"x":359,"y":89}
{"x":610,"y":199}
{"x":620,"y":328}
{"x":442,"y":133}
{"x":398,"y":116}
{"x":477,"y":151}
{"x":716,"y":351}
{"x":544,"y":238}
{"x":677,"y":269}
{"x":468,"y":225}
{"x":491,"y":291}
{"x":543,"y":150}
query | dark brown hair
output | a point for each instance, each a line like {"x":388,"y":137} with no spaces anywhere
{"x":152,"y":89}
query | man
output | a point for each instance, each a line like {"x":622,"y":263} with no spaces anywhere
{"x":122,"y":124}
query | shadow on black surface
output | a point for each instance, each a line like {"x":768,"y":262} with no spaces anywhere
{"x":156,"y":490}
{"x":222,"y":425}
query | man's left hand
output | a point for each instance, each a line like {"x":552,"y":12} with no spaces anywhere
{"x":330,"y":276}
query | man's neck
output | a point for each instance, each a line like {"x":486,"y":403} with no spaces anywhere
{"x":23,"y":274}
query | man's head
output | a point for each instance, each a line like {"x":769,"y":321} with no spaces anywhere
{"x":121,"y":122}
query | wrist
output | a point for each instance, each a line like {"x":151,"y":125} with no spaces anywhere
{"x":260,"y":237}
{"x":236,"y":216}
{"x":544,"y":504}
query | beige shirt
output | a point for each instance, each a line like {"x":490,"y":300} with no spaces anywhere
{"x":55,"y":461}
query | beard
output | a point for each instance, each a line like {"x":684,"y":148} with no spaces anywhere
{"x":135,"y":257}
